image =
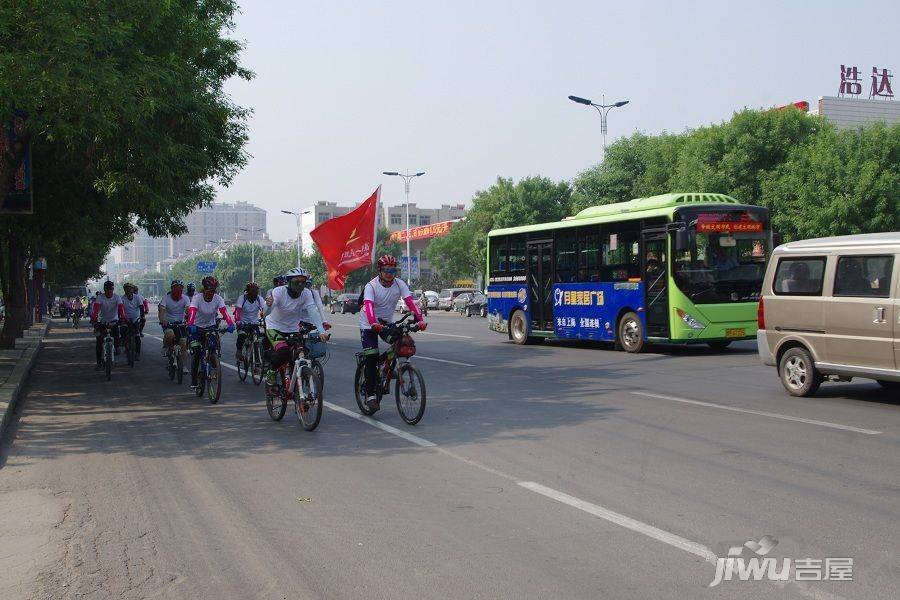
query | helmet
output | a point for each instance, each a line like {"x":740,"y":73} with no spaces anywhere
{"x":126,"y":286}
{"x":190,"y":285}
{"x":209,"y":283}
{"x":109,"y":285}
{"x":252,"y":286}
{"x":387,"y":260}
{"x":177,"y":282}
{"x":297,"y":272}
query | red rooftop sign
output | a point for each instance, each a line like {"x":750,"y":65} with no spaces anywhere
{"x":423,"y":232}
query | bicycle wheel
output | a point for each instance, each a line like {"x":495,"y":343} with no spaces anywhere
{"x":214,"y":380}
{"x":170,"y":365}
{"x":308,"y":398}
{"x":107,"y":359}
{"x":179,"y":368}
{"x":256,"y":365}
{"x":201,"y":378}
{"x":320,"y":370}
{"x":276,"y":400}
{"x":243,"y":365}
{"x":410,"y":394}
{"x":129,"y":349}
{"x":359,"y":389}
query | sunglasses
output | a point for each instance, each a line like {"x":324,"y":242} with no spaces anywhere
{"x":389,"y":270}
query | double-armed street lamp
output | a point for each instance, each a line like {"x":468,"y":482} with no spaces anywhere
{"x":603,"y":109}
{"x":299,"y":244}
{"x":407,"y":177}
{"x":252,"y":231}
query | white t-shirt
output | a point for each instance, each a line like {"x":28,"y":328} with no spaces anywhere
{"x":384,"y":298}
{"x":133,"y":306}
{"x":174,"y":308}
{"x":286,"y":313}
{"x":206,"y":311}
{"x":109,"y":308}
{"x":249,"y":307}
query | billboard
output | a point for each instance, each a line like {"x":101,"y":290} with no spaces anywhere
{"x":423,"y":232}
{"x":18,"y":197}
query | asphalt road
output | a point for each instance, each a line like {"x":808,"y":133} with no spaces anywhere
{"x":547,"y":471}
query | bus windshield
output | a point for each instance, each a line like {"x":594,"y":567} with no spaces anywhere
{"x":725,"y":257}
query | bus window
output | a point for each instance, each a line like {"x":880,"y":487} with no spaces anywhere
{"x":588,"y":254}
{"x":621,"y":253}
{"x":517,"y":254}
{"x":498,"y":264}
{"x":566,"y":255}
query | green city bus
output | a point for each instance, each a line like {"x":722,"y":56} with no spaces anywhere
{"x":675,"y":268}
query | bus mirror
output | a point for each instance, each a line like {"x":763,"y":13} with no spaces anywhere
{"x":776,"y":239}
{"x":682,"y":240}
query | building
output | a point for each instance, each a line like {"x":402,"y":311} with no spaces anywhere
{"x":313,"y":216}
{"x":848,"y":112}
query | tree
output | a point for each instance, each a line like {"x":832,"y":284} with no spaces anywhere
{"x":841,"y":183}
{"x":128,"y":97}
{"x":456,"y":255}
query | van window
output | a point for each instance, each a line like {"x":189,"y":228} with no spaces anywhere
{"x":863,"y":276}
{"x":799,"y":276}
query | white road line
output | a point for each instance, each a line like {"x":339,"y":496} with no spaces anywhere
{"x":760,"y":413}
{"x":465,"y":337}
{"x":657,"y":534}
{"x":418,"y":356}
{"x":393,"y":430}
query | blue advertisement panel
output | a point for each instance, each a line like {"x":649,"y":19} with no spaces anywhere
{"x":206,"y":266}
{"x":502,"y":299}
{"x":588,"y":311}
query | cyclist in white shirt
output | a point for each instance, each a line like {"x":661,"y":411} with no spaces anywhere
{"x":287,"y":306}
{"x":247,"y":310}
{"x":135,"y":309}
{"x":204,"y":310}
{"x":107,"y":311}
{"x":172,"y":310}
{"x":380,"y":298}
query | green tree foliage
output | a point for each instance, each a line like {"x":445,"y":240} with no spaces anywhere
{"x":127,"y":121}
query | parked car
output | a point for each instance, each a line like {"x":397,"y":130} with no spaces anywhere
{"x":448,"y":295}
{"x":477,"y":305}
{"x":345,"y":303}
{"x":460,"y":302}
{"x":829,"y":310}
{"x":419,"y":297}
{"x":432,"y":299}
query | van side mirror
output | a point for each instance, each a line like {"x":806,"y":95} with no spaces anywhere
{"x":682,"y":240}
{"x":776,"y":239}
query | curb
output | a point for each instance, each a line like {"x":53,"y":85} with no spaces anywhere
{"x":10,"y":391}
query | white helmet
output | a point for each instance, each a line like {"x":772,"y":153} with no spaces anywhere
{"x":297,"y":272}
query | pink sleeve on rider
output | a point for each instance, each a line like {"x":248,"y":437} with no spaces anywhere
{"x":237,"y":313}
{"x":411,"y":305}
{"x":369,"y":309}
{"x":225,"y":316}
{"x":95,"y":311}
{"x":121,"y":311}
{"x":191,"y":313}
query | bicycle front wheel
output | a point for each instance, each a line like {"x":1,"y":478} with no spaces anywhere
{"x":256,"y":364}
{"x":359,"y":389}
{"x":320,"y":370}
{"x":410,"y":393}
{"x":129,"y":350}
{"x":308,"y":398}
{"x":108,"y":366}
{"x":201,"y":379}
{"x":170,"y":364}
{"x":214,"y":382}
{"x":179,"y":368}
{"x":243,"y":365}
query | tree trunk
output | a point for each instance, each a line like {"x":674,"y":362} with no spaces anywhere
{"x":16,"y":300}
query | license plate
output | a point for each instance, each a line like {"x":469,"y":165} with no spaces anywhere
{"x":736,"y":332}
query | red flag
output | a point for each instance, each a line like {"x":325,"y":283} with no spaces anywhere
{"x":347,"y":243}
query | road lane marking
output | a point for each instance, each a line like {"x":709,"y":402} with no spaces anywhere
{"x":657,"y":534}
{"x":761,"y":413}
{"x":465,"y":337}
{"x":418,"y":356}
{"x":370,"y":421}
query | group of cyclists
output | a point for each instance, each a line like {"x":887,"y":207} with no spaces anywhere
{"x":291,"y":306}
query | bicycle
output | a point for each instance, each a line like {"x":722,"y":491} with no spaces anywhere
{"x":394,"y":363}
{"x":128,"y":335}
{"x":209,"y":373}
{"x":251,"y":355}
{"x":298,"y":380}
{"x":258,"y":370}
{"x":76,"y":318}
{"x":174,"y":360}
{"x":108,"y":346}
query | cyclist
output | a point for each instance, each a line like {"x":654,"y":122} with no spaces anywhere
{"x":287,"y":306}
{"x":171,"y":310}
{"x":191,"y":290}
{"x":77,"y":308}
{"x":146,"y":310}
{"x":247,"y":310}
{"x":202,"y":313}
{"x":134,"y":314}
{"x":380,"y":298}
{"x":108,"y":311}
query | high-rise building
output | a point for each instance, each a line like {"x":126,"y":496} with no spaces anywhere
{"x":849,"y":112}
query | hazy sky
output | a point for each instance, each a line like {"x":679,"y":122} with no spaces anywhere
{"x":467,"y":91}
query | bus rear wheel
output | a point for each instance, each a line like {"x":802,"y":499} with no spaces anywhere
{"x":630,"y":333}
{"x":518,"y":328}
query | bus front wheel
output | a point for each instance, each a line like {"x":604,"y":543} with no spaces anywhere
{"x":630,"y":333}
{"x":518,"y":328}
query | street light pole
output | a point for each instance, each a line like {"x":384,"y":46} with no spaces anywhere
{"x":603,"y":109}
{"x":407,"y":177}
{"x":252,"y":250}
{"x":299,"y":245}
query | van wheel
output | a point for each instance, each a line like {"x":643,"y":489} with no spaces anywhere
{"x":799,"y":375}
{"x":630,"y":333}
{"x":718,"y":345}
{"x":518,"y":328}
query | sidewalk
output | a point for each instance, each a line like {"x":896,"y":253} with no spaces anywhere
{"x":14,"y":368}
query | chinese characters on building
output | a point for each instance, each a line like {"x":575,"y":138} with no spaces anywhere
{"x":880,"y":83}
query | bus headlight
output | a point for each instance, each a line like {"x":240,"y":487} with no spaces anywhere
{"x":691,"y":321}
